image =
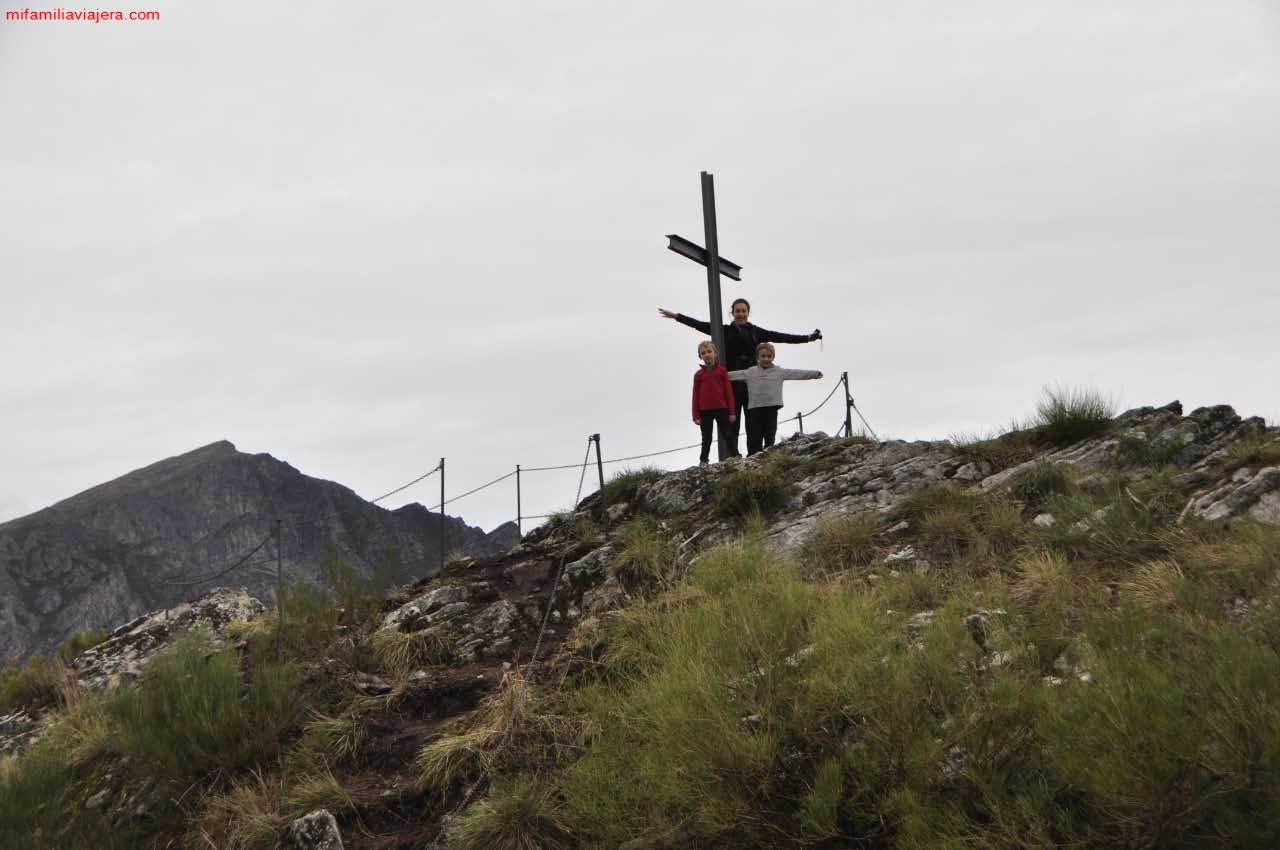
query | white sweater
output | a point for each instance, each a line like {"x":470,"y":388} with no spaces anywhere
{"x":764,"y":386}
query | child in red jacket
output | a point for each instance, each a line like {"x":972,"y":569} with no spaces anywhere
{"x":712,"y":398}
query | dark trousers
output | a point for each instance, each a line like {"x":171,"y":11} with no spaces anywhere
{"x":740,"y":401}
{"x":720,"y":417}
{"x":762,"y":428}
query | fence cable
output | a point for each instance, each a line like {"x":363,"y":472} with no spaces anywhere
{"x":221,"y":573}
{"x":864,"y":420}
{"x":823,"y":403}
{"x":498,"y":480}
{"x":422,"y":477}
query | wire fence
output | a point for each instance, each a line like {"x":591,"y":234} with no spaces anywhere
{"x":320,"y":523}
{"x":844,"y":427}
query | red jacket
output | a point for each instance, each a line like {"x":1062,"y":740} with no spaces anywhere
{"x":712,"y":391}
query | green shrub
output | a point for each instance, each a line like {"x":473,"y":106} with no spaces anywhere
{"x":625,"y":486}
{"x":744,"y":492}
{"x":1000,"y":452}
{"x":1160,"y":757}
{"x":913,"y":507}
{"x":646,"y":557}
{"x":36,"y":683}
{"x":1067,"y":415}
{"x":79,"y":642}
{"x":841,"y":543}
{"x":1123,"y":524}
{"x":520,"y":815}
{"x":195,"y":712}
{"x":951,"y":522}
{"x":1035,"y":486}
{"x":1258,"y":450}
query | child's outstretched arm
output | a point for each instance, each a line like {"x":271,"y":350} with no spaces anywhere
{"x":738,"y":375}
{"x":800,"y":375}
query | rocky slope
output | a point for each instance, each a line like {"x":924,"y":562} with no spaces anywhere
{"x":145,"y":540}
{"x":469,"y":624}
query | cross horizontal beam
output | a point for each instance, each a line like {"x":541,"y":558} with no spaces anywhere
{"x":698,"y":254}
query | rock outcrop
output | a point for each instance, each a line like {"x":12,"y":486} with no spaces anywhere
{"x":147,"y":541}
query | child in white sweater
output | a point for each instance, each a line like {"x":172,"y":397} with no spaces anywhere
{"x":764,"y":395}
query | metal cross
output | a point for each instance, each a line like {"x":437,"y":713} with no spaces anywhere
{"x":709,"y":257}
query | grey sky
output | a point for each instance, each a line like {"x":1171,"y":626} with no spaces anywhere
{"x":360,"y":236}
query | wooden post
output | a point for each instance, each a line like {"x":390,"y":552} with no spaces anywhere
{"x":519,"y":519}
{"x":444,"y":528}
{"x":279,"y":590}
{"x":604,"y":504}
{"x":848,"y":406}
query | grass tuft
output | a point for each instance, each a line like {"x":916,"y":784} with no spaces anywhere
{"x":841,"y":543}
{"x":1065,"y":415}
{"x":646,"y":557}
{"x":523,"y":815}
{"x":749,"y":491}
{"x":625,"y":486}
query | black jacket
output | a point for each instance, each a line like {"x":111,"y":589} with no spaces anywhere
{"x":740,"y":341}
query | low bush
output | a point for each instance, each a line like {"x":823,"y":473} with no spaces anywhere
{"x":1065,"y":416}
{"x":997,"y":453}
{"x":844,"y":542}
{"x":1259,"y":450}
{"x":647,"y":557}
{"x":35,"y":684}
{"x":625,"y":486}
{"x":749,"y":491}
{"x":523,"y":814}
{"x":79,"y":642}
{"x":196,"y":712}
{"x":1035,"y":486}
{"x":951,"y":522}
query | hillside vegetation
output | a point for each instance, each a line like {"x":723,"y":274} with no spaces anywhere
{"x":1064,"y":636}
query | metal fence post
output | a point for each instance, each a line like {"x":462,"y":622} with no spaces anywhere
{"x":519,"y":519}
{"x":279,"y":590}
{"x":444,"y":528}
{"x":800,"y":419}
{"x":848,"y":406}
{"x":604,"y":504}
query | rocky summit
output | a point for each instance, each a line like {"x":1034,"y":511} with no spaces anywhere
{"x":1070,"y":634}
{"x":148,"y":539}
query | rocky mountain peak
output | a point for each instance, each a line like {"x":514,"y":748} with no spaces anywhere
{"x":147,"y":539}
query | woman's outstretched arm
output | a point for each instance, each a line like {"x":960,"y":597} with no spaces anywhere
{"x":777,"y":336}
{"x":696,"y":324}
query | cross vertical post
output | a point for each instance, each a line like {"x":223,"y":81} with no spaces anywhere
{"x":713,"y":266}
{"x":716,"y":266}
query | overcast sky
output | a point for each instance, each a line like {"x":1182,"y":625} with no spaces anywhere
{"x":361,"y":236}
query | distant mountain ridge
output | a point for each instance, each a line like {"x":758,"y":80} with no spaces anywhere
{"x":147,"y":539}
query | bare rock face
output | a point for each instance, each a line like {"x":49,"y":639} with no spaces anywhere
{"x":126,"y":651}
{"x":1255,"y":494}
{"x":154,"y":537}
